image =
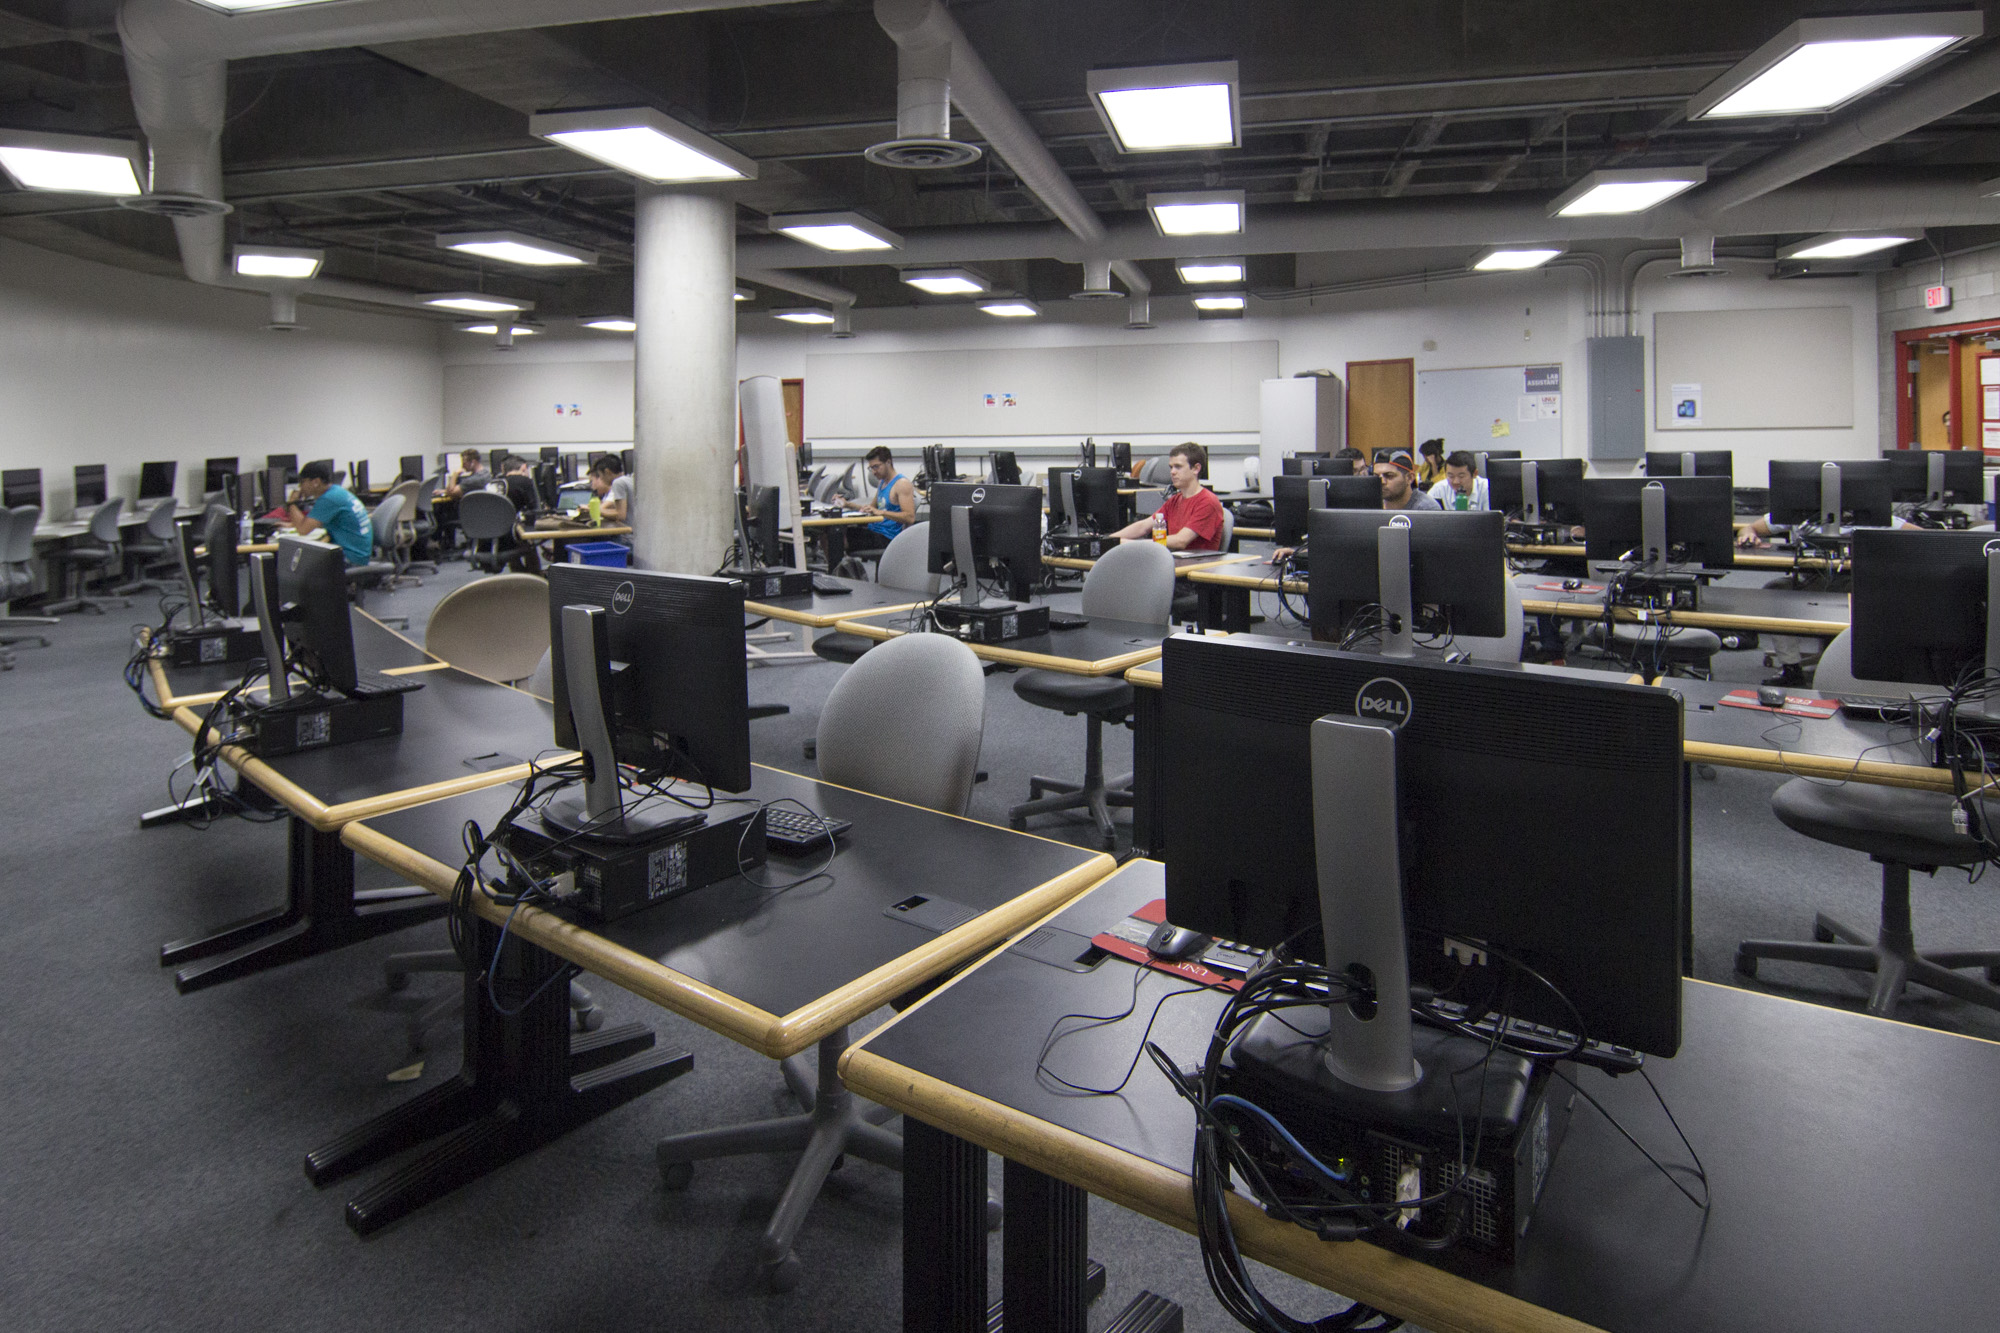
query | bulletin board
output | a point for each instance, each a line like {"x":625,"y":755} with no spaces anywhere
{"x":1467,"y":407}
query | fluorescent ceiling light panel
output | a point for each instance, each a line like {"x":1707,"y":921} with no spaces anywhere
{"x":1011,"y":307}
{"x":1162,"y":108}
{"x":946,"y":281}
{"x":844,"y":232}
{"x":1609,"y":192}
{"x":1846,"y":245}
{"x":71,"y":163}
{"x":613,"y":324}
{"x":1817,"y":64}
{"x":272,"y":261}
{"x":1210,"y":270}
{"x":1504,"y":259}
{"x":511,"y":247}
{"x":475,"y":303}
{"x":644,"y":143}
{"x":519,"y":330}
{"x":1219,"y":301}
{"x":805,"y":315}
{"x":1197,"y":212}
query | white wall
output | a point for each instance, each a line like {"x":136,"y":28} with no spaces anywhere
{"x":103,"y":365}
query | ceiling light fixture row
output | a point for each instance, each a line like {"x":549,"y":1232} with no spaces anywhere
{"x":512,"y":247}
{"x":1819,"y":64}
{"x":280,"y":262}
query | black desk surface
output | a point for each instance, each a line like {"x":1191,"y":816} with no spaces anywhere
{"x":376,"y":648}
{"x":1102,"y":647}
{"x":1852,"y":1159}
{"x":1775,"y":603}
{"x":819,"y":609}
{"x":1827,"y":748}
{"x":786,"y":966}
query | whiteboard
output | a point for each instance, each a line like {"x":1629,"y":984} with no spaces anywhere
{"x":538,"y":402}
{"x":1461,"y":406}
{"x":1132,"y":388}
{"x":1786,"y":369}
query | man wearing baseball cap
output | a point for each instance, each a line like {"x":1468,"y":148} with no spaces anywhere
{"x":1398,"y":472}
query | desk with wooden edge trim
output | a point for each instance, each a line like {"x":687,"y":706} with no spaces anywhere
{"x":1895,"y":1112}
{"x":1101,"y":648}
{"x":1746,"y":558}
{"x":1835,"y":749}
{"x":816,"y":610}
{"x":460,"y":733}
{"x":576,"y":534}
{"x":1225,"y":592}
{"x":1182,"y":568}
{"x":777,"y":971}
{"x":376,"y":648}
{"x":1794,"y":611}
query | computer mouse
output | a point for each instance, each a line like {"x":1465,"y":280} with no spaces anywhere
{"x":1571,"y":585}
{"x":1174,"y":943}
{"x":1771,"y":696}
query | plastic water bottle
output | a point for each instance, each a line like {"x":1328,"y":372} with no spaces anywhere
{"x":1159,"y":525}
{"x":596,"y":511}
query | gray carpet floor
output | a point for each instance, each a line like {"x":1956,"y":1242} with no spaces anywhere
{"x":152,"y":1143}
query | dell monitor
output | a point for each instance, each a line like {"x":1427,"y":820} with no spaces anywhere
{"x":664,"y":690}
{"x":1659,"y":521}
{"x":1121,"y":457}
{"x":1292,"y":497}
{"x":1487,"y":457}
{"x":548,"y":491}
{"x":243,"y":494}
{"x":1319,"y":465}
{"x":549,"y":453}
{"x":1922,"y":605}
{"x":1936,"y":477}
{"x":312,"y":587}
{"x":1084,"y":499}
{"x":289,"y":462}
{"x":1005,"y":528}
{"x":90,"y":488}
{"x":1537,"y":491}
{"x":1004,"y":468}
{"x":411,"y":468}
{"x":218,"y":535}
{"x":276,"y":485}
{"x":625,"y":456}
{"x":21,"y":486}
{"x":216,"y":474}
{"x":1087,"y":454}
{"x":1690,"y":463}
{"x":1831,"y":496}
{"x":1299,"y":465}
{"x":1434,"y":574}
{"x":805,"y":455}
{"x":757,"y":541}
{"x":156,"y":480}
{"x":357,"y":474}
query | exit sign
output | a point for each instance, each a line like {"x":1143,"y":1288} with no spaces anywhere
{"x":1937,"y":298}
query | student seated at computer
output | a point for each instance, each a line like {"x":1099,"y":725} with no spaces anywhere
{"x":517,"y":476}
{"x":1462,"y":487}
{"x":1398,"y":472}
{"x":1431,"y":464}
{"x":612,"y":488}
{"x":1192,"y":514}
{"x":895,"y":503}
{"x":471,"y":476}
{"x":321,"y":504}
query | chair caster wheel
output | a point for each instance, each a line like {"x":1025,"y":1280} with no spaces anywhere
{"x":1706,"y":772}
{"x":587,"y":1020}
{"x":1746,"y":966}
{"x":784,"y":1274}
{"x":396,"y":981}
{"x":676,"y":1175}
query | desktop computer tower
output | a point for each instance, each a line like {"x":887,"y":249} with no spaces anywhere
{"x":607,"y":880}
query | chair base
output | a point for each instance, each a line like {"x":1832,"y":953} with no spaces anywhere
{"x":836,"y":1123}
{"x":1892,"y":955}
{"x":1093,"y":793}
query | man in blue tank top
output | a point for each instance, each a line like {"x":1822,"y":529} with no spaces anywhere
{"x":895,"y":503}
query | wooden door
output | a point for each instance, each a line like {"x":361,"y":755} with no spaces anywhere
{"x":1382,"y":405}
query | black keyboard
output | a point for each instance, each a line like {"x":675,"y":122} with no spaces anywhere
{"x":1064,"y":620}
{"x":797,"y":831}
{"x":373,"y":684}
{"x":830,"y":587}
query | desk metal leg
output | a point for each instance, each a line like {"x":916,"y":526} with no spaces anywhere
{"x":1148,"y":822}
{"x":1223,"y":608}
{"x":944,"y":1232}
{"x":1042,"y":1252}
{"x":323,"y":912}
{"x":524,"y":1082}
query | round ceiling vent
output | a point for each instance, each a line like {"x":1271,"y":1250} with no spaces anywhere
{"x":176,"y":205}
{"x":1097,"y":294}
{"x":922,"y":154}
{"x":1698,"y":271}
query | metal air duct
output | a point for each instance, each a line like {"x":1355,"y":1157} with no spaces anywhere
{"x":923,"y":139}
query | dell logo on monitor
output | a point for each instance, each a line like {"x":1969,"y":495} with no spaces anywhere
{"x":1384,"y":700}
{"x":978,"y":495}
{"x":621,"y":597}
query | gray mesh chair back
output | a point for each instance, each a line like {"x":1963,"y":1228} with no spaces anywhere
{"x":496,"y":627}
{"x":1131,"y":581}
{"x":1228,"y":528}
{"x":427,"y":491}
{"x":21,"y":541}
{"x":13,"y":581}
{"x":104,"y":523}
{"x":1156,"y":472}
{"x":383,"y":521}
{"x":486,"y":516}
{"x":905,"y":722}
{"x":905,"y":562}
{"x":160,"y":521}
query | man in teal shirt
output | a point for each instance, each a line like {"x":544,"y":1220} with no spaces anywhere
{"x":321,"y":504}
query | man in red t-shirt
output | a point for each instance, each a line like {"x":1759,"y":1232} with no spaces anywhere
{"x":1193,"y":515}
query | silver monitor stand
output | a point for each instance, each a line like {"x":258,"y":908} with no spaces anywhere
{"x":1392,"y":589}
{"x":264,"y":597}
{"x":1687,"y":464}
{"x":1829,"y":497}
{"x":1531,"y":493}
{"x":962,"y":556}
{"x":1066,"y":483}
{"x":1652,"y":525}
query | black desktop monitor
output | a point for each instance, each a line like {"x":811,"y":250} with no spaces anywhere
{"x":90,"y":489}
{"x":1935,"y":476}
{"x":411,"y":468}
{"x":312,"y":586}
{"x":276,"y":484}
{"x":547,"y":488}
{"x":1831,"y":494}
{"x":21,"y":486}
{"x":357,"y":475}
{"x":216,"y":473}
{"x":289,"y":462}
{"x":1492,"y":455}
{"x":1676,"y":463}
{"x":1006,"y":469}
{"x":1292,"y":497}
{"x":1298,"y":465}
{"x":1695,"y":513}
{"x":1920,"y":604}
{"x":1503,"y":773}
{"x":760,"y":525}
{"x":243,"y":494}
{"x":549,"y":453}
{"x":1121,"y":457}
{"x":1456,"y":572}
{"x":1321,"y":466}
{"x":625,"y":456}
{"x":218,"y":535}
{"x":156,"y":480}
{"x":679,"y":683}
{"x":1087,"y":454}
{"x":1006,"y":530}
{"x":948,"y":460}
{"x":1557,"y":487}
{"x":805,"y":455}
{"x":1096,"y":493}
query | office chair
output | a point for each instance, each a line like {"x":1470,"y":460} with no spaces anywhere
{"x":150,"y":554}
{"x":98,"y":550}
{"x":406,"y":530}
{"x":1157,"y":472}
{"x":497,"y":628}
{"x":1674,"y":650}
{"x":1506,"y":648}
{"x":1132,"y":581}
{"x":17,"y":579}
{"x":865,"y":742}
{"x":380,"y":571}
{"x":423,"y":524}
{"x":903,"y":566}
{"x":1253,"y":473}
{"x":490,"y":518}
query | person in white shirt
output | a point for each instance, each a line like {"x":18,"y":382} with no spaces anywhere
{"x":1462,"y":487}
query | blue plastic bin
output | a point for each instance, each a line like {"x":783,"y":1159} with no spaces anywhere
{"x":611,"y":555}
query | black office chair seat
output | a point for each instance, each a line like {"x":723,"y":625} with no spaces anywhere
{"x":1903,"y":830}
{"x":845,"y":649}
{"x":1683,"y":647}
{"x":1071,"y":695}
{"x":1101,"y":700}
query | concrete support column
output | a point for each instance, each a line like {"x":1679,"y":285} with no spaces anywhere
{"x":684,"y":379}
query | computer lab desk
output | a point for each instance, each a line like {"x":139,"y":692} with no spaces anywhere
{"x":1849,"y":1160}
{"x":1182,"y":568}
{"x":1800,"y":612}
{"x":1782,"y":561}
{"x":460,"y":733}
{"x":775,"y":970}
{"x":816,"y":610}
{"x":376,"y":648}
{"x":1104,"y":647}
